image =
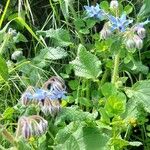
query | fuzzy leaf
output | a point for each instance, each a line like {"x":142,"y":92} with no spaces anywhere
{"x":60,"y":36}
{"x":144,"y":11}
{"x":140,"y":93}
{"x":85,"y":138}
{"x":86,"y":64}
{"x":73,"y":114}
{"x":53,"y":53}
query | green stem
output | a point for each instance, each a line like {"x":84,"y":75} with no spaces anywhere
{"x":8,"y":136}
{"x":75,"y":17}
{"x":4,"y":44}
{"x":116,"y":66}
{"x":88,"y":89}
{"x":104,"y":77}
{"x":4,"y":13}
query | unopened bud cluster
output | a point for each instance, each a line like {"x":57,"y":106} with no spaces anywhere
{"x":134,"y":37}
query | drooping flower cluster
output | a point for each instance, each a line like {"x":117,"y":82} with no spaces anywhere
{"x":31,"y":126}
{"x":134,"y":38}
{"x":48,"y":97}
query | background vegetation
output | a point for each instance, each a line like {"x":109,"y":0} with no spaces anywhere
{"x":44,"y":38}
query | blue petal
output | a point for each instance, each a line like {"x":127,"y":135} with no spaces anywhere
{"x":112,"y":19}
{"x":123,"y":18}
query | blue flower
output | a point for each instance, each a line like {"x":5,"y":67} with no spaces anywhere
{"x":119,"y":23}
{"x":40,"y":94}
{"x":56,"y":94}
{"x":94,"y":11}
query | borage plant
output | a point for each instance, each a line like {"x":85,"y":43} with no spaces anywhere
{"x":107,"y":105}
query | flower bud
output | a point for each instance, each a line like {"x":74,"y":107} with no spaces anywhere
{"x":16,"y":55}
{"x":138,"y":42}
{"x":130,"y":44}
{"x":12,"y":32}
{"x":27,"y":95}
{"x":114,"y":4}
{"x":141,"y":32}
{"x":105,"y":32}
{"x":51,"y":107}
{"x":31,"y":126}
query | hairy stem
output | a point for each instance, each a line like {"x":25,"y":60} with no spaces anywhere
{"x":116,"y":66}
{"x":7,"y":135}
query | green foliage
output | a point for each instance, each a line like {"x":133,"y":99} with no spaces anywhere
{"x":60,"y":36}
{"x":106,"y":76}
{"x":73,"y":114}
{"x":140,"y":94}
{"x":52,"y":53}
{"x":3,"y":69}
{"x":86,"y":64}
{"x":116,"y":104}
{"x":85,"y":138}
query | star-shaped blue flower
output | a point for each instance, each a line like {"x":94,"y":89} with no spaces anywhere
{"x":119,"y":23}
{"x":94,"y":12}
{"x":40,"y":94}
{"x":57,"y":94}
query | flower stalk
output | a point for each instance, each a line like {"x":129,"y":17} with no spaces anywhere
{"x":115,"y":73}
{"x":8,"y":136}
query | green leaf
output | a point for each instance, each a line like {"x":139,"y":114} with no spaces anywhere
{"x":53,"y":53}
{"x":128,"y":9}
{"x":84,"y":31}
{"x":85,"y":138}
{"x":131,"y":111}
{"x":8,"y":113}
{"x":116,"y":104}
{"x":3,"y":69}
{"x":60,"y":36}
{"x":64,"y":5}
{"x":104,"y":5}
{"x":108,"y":89}
{"x":79,"y":23}
{"x":90,"y":23}
{"x":20,"y":38}
{"x":140,"y":93}
{"x":73,"y":114}
{"x":63,"y":134}
{"x":73,"y":84}
{"x":144,"y":11}
{"x":86,"y":64}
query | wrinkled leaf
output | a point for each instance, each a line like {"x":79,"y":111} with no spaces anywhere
{"x":140,"y":93}
{"x":85,"y":138}
{"x":53,"y":53}
{"x":73,"y":114}
{"x":86,"y":64}
{"x":60,"y":36}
